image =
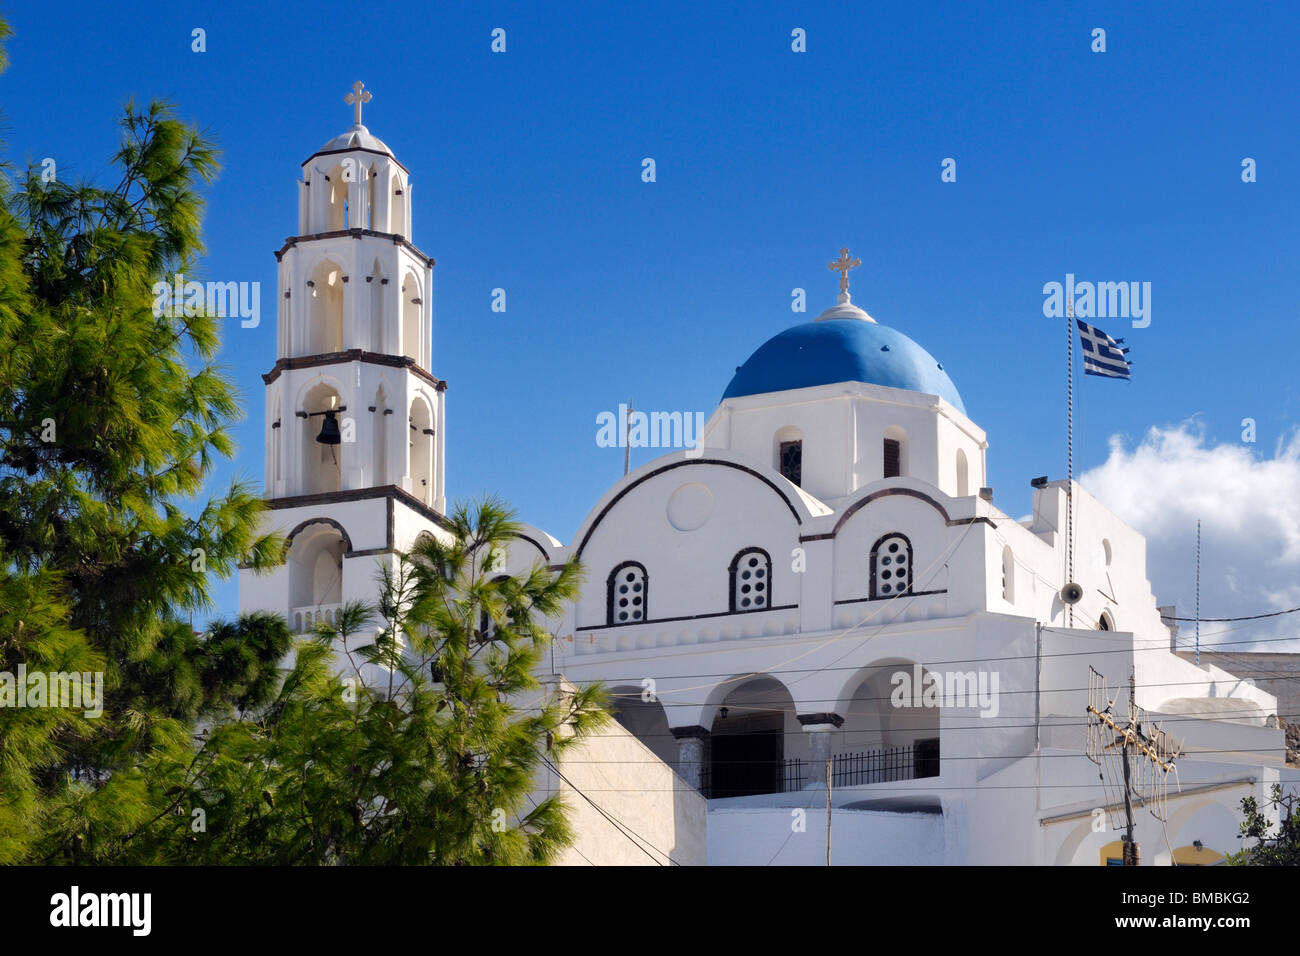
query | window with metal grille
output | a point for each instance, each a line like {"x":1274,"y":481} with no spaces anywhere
{"x":891,"y":566}
{"x":893,"y":458}
{"x":627,"y":592}
{"x":792,"y":460}
{"x":751,"y":580}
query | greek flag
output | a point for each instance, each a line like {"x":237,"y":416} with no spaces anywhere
{"x":1102,"y":355}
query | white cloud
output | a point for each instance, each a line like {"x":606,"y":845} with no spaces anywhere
{"x":1249,"y":507}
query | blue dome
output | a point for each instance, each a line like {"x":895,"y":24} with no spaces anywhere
{"x":841,"y":350}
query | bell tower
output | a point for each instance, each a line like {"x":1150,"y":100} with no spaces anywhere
{"x":355,"y":434}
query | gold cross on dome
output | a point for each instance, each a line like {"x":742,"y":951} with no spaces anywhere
{"x":356,"y":98}
{"x":842,"y":265}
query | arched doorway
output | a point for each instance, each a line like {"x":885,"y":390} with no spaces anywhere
{"x":756,"y":743}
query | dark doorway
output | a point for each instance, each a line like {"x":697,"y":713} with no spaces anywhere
{"x":747,"y":763}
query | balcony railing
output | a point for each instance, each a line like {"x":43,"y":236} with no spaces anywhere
{"x":888,"y":764}
{"x":306,"y":618}
{"x":786,"y":776}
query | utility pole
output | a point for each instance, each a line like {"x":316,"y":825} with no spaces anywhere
{"x":1155,"y":750}
{"x":1130,"y":847}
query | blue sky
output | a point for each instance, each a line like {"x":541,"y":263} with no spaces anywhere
{"x":1116,"y":166}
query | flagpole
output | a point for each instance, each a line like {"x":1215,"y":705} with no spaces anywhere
{"x":1069,"y":455}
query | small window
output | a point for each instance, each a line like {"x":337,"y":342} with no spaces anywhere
{"x":891,"y":566}
{"x":893,"y":458}
{"x":1008,"y":576}
{"x":627,"y":593}
{"x":751,"y":580}
{"x":792,"y":461}
{"x":1104,"y":623}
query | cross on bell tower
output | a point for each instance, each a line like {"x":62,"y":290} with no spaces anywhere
{"x":356,"y":98}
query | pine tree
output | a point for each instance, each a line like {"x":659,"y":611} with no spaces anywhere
{"x":112,"y":419}
{"x":411,"y":731}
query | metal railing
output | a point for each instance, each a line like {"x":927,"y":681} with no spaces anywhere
{"x":914,"y":762}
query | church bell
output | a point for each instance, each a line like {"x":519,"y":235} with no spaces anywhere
{"x":329,"y":430}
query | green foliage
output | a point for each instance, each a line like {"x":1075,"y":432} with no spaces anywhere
{"x":1271,"y":849}
{"x":111,"y":421}
{"x":406,"y":732}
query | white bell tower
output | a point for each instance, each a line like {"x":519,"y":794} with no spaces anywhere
{"x":355,"y":432}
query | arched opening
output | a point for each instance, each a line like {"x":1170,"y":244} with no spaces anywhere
{"x":370,"y":198}
{"x":375,"y":281}
{"x":336,"y":217}
{"x":645,"y":720}
{"x":315,"y":562}
{"x":1008,"y":575}
{"x":963,"y":474}
{"x":1105,"y":551}
{"x":412,"y":306}
{"x":756,"y":743}
{"x":321,"y":463}
{"x":325,"y":314}
{"x":397,"y":207}
{"x":1105,"y":622}
{"x":379,"y":450}
{"x":891,"y":724}
{"x":787,"y":453}
{"x":421,"y":450}
{"x":894,"y":452}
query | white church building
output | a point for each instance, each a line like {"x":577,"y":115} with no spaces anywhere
{"x":824,"y":583}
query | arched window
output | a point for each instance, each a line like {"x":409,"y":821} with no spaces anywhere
{"x":891,"y":566}
{"x":325,"y":309}
{"x":397,"y":207}
{"x":627,"y":592}
{"x":1104,"y":623}
{"x":420,"y":449}
{"x":963,"y":474}
{"x":1008,"y":575}
{"x":412,"y":310}
{"x":751,"y":580}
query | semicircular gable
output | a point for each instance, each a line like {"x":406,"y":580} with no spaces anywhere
{"x":858,"y":505}
{"x":789,"y":500}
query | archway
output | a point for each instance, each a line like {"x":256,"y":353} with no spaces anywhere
{"x":891,"y":724}
{"x":412,"y":306}
{"x":325,"y":315}
{"x":756,"y":742}
{"x":315,"y":561}
{"x":321,"y":464}
{"x":421,"y":448}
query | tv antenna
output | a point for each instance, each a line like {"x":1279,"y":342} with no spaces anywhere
{"x":1134,"y":757}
